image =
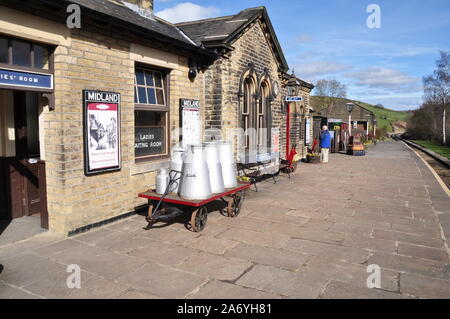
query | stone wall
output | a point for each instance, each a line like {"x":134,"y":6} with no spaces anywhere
{"x":222,"y":86}
{"x":96,"y":61}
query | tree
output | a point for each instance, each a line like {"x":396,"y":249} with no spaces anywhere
{"x":437,"y":88}
{"x":330,"y":92}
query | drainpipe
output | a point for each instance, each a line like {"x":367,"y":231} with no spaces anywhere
{"x":288,"y":129}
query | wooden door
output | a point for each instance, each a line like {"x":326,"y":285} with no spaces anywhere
{"x":24,"y":168}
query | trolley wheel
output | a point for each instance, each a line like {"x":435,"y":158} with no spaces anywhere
{"x":235,"y":204}
{"x":199,"y":218}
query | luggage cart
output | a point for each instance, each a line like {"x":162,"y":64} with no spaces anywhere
{"x":160,"y":209}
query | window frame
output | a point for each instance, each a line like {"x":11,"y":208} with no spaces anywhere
{"x":32,"y":68}
{"x":165,"y":76}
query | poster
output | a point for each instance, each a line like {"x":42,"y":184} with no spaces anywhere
{"x":101,"y":131}
{"x":308,"y":131}
{"x":190,"y":122}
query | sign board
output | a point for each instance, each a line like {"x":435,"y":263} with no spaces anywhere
{"x":23,"y":79}
{"x":190,"y":122}
{"x":334,"y":121}
{"x":308,"y":131}
{"x":149,"y":140}
{"x":293,"y":99}
{"x":101,"y":121}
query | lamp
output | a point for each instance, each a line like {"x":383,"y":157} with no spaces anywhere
{"x":350,"y":107}
{"x":192,"y":69}
{"x":293,"y":85}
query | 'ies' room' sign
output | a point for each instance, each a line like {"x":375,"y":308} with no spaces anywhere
{"x":149,"y":140}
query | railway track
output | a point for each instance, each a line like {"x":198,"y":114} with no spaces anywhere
{"x":439,"y":164}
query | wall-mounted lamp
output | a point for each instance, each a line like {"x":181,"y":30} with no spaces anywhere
{"x":192,"y":69}
{"x":192,"y":73}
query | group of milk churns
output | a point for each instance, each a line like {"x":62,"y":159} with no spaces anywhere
{"x":205,"y":170}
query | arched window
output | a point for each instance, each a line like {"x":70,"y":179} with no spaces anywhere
{"x":247,"y":112}
{"x":263,"y":117}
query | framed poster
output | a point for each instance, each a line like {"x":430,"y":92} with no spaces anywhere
{"x":308,"y":131}
{"x":101,"y":123}
{"x":190,"y":122}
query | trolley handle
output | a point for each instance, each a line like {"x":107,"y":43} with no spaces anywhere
{"x":172,"y":180}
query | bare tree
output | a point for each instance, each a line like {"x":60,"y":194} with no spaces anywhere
{"x":330,"y":92}
{"x":437,"y":87}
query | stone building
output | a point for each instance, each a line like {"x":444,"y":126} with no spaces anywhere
{"x":336,"y":116}
{"x":140,"y":69}
{"x":246,"y":86}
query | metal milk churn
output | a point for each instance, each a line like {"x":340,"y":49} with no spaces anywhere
{"x":162,"y":180}
{"x":176,"y":164}
{"x":229,"y":170}
{"x":215,"y":168}
{"x":195,"y":183}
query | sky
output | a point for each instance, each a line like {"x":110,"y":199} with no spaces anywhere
{"x":330,"y":39}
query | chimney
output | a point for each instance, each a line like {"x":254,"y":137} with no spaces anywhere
{"x":144,"y":7}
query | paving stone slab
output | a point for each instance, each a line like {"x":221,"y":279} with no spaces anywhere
{"x":423,"y":252}
{"x":9,"y":292}
{"x":408,"y":238}
{"x":424,"y":286}
{"x":346,"y":254}
{"x":165,"y":254}
{"x":318,"y":235}
{"x":94,"y":259}
{"x":370,"y":244}
{"x":222,"y":290}
{"x":27,"y":268}
{"x":279,"y":217}
{"x":342,"y":290}
{"x":91,"y":287}
{"x":163,"y":281}
{"x":283,"y":282}
{"x":400,"y":263}
{"x":256,"y":238}
{"x":269,"y":256}
{"x":58,"y":247}
{"x":136,"y":294}
{"x":218,"y":246}
{"x":129,"y":225}
{"x":217,"y":267}
{"x":351,"y":273}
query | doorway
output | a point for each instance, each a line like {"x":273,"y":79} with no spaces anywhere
{"x":22,"y":168}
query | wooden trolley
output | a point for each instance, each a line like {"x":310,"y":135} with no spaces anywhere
{"x":159,"y":212}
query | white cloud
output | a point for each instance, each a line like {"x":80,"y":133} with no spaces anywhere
{"x":386,"y":79}
{"x":187,"y":11}
{"x":303,"y":38}
{"x":314,"y":69}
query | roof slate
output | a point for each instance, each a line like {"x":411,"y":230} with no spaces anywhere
{"x":221,"y":28}
{"x":119,"y":11}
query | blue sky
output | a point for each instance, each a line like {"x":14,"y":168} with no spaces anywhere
{"x":330,"y":39}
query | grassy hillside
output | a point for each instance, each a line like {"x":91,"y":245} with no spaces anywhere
{"x":385,"y":117}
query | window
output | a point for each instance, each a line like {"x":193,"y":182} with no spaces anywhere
{"x":21,"y":53}
{"x":247,"y":110}
{"x":24,"y":54}
{"x":3,"y":50}
{"x":262,"y":116}
{"x":151,"y":114}
{"x":149,"y":88}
